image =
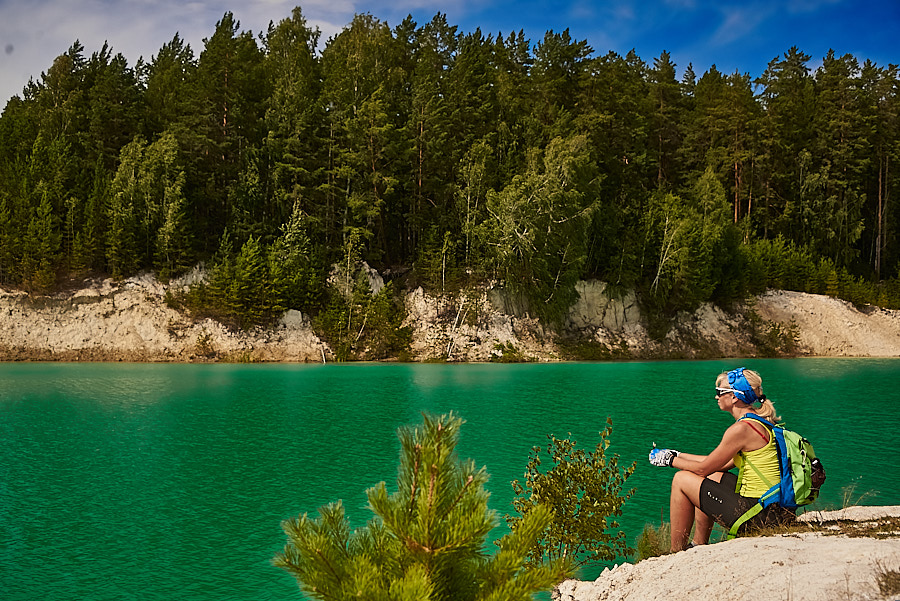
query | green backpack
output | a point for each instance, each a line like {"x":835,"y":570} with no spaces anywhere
{"x":802,"y":474}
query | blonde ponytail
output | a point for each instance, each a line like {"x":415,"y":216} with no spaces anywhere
{"x":767,"y":412}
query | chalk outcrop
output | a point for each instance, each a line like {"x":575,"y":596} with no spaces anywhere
{"x":130,"y":321}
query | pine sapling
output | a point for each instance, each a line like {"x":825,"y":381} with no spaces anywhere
{"x":426,"y":539}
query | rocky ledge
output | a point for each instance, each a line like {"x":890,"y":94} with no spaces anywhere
{"x":852,"y":555}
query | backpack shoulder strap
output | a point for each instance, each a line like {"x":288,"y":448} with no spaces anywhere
{"x":759,"y":419}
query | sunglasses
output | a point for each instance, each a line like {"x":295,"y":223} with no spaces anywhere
{"x":723,"y":391}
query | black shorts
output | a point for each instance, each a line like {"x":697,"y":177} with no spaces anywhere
{"x":719,"y":501}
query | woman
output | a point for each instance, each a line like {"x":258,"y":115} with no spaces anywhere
{"x":703,"y":490}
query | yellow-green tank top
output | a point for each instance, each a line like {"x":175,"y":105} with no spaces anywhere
{"x":765,"y":460}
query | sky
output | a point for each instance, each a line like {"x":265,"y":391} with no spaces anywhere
{"x":733,"y":35}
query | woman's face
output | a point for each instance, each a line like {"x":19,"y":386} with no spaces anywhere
{"x":724,"y":398}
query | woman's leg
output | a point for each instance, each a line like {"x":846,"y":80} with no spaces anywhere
{"x":684,"y":510}
{"x":703,"y":522}
{"x":684,"y":500}
{"x":702,"y":527}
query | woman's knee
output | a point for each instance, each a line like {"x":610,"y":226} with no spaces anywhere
{"x":684,"y":480}
{"x":687,"y":484}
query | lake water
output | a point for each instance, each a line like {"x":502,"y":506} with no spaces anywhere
{"x":171,"y":481}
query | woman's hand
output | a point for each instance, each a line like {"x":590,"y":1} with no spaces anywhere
{"x":662,"y":457}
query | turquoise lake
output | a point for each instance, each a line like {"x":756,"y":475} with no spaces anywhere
{"x":160,"y":481}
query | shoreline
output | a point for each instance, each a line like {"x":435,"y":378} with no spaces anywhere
{"x":124,"y":361}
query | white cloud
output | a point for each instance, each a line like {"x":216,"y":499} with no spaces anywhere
{"x":34,"y":32}
{"x":739,"y":23}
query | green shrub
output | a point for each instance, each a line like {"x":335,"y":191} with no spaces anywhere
{"x":365,"y":326}
{"x":584,"y":491}
{"x":508,"y":353}
{"x":585,"y":349}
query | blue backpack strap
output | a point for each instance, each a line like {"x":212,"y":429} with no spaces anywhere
{"x":777,"y":433}
{"x":762,"y":420}
{"x":787,"y":496}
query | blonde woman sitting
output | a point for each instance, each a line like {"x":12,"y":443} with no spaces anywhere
{"x":703,"y":490}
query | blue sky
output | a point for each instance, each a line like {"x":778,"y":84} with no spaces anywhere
{"x":742,"y":36}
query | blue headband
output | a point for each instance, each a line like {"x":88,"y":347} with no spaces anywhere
{"x":741,"y":387}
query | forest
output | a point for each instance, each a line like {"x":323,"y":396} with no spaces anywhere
{"x":449,"y":159}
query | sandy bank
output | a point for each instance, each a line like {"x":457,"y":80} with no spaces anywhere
{"x":829,"y":327}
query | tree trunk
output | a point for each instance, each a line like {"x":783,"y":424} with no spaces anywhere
{"x":878,"y":229}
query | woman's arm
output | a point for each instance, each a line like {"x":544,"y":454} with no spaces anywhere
{"x":721,"y":458}
{"x":692,"y":457}
{"x":701,"y":458}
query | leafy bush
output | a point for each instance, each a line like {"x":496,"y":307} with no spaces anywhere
{"x":584,"y":491}
{"x":507,"y":353}
{"x":575,"y":348}
{"x":426,"y":539}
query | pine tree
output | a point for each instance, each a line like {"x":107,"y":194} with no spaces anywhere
{"x":114,"y":108}
{"x":250,"y":296}
{"x":428,"y":132}
{"x":667,"y":119}
{"x":8,"y":241}
{"x":559,"y":74}
{"x":426,"y":539}
{"x":295,"y":121}
{"x":231,"y":91}
{"x":173,"y":240}
{"x":619,"y":110}
{"x":295,"y":270}
{"x":87,"y":251}
{"x":122,"y":238}
{"x":843,"y":145}
{"x":43,"y":246}
{"x":787,"y":99}
{"x":168,"y":81}
{"x":362,"y":73}
{"x":881,"y":109}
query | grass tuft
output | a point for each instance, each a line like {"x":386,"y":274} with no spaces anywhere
{"x":849,"y":497}
{"x":888,"y":580}
{"x":653,"y":541}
